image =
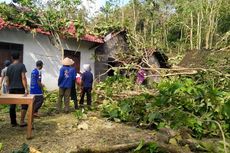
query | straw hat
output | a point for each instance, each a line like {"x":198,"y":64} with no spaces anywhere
{"x":67,"y":61}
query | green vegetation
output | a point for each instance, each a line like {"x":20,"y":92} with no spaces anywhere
{"x":24,"y":149}
{"x":200,"y":103}
{"x":151,"y":148}
{"x":48,"y":18}
{"x":175,"y":26}
{"x":50,"y":101}
{"x":1,"y":145}
{"x":4,"y":108}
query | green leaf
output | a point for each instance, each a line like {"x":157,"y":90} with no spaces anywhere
{"x":153,"y":147}
{"x":139,"y":147}
{"x":227,"y":108}
{"x":1,"y":146}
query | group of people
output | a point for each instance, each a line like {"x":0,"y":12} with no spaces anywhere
{"x":67,"y":87}
{"x":13,"y":81}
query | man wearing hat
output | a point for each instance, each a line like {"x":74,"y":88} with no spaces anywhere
{"x":65,"y":84}
{"x":3,"y":75}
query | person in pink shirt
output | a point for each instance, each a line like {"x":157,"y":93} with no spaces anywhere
{"x":141,"y":74}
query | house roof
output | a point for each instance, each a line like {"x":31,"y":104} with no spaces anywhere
{"x":71,"y":31}
{"x":113,"y":34}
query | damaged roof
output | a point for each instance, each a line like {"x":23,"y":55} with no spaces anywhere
{"x":71,"y":31}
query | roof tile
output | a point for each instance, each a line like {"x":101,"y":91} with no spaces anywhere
{"x":71,"y":31}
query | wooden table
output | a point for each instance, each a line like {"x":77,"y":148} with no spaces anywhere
{"x":21,"y":99}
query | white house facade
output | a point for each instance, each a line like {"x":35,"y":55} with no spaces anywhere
{"x":39,"y":47}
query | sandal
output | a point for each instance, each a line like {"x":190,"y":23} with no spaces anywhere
{"x":14,"y":125}
{"x":36,"y":115}
{"x":23,"y":125}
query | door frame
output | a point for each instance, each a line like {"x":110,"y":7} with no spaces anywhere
{"x":74,"y":55}
{"x":10,"y":48}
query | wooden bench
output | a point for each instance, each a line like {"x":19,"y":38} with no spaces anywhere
{"x":21,"y":99}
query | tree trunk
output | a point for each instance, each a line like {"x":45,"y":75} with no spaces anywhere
{"x":207,"y":37}
{"x":130,"y":147}
{"x":180,"y":46}
{"x":215,"y":21}
{"x":58,"y":43}
{"x":198,"y":31}
{"x":191,"y":31}
{"x":122,"y":14}
{"x":152,"y":39}
{"x":165,"y":37}
{"x":134,"y":18}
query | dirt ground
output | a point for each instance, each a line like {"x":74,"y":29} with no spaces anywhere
{"x":63,"y":133}
{"x":207,"y":59}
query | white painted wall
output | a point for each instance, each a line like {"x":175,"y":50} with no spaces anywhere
{"x":38,"y":47}
{"x":83,"y":47}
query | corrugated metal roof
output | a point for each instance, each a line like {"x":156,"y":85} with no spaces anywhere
{"x":71,"y":31}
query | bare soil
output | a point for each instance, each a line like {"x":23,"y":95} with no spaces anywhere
{"x":60,"y":133}
{"x":218,"y":59}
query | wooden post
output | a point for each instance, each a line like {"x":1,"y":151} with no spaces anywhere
{"x":30,"y":119}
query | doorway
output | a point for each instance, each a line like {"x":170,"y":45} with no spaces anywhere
{"x":6,"y":50}
{"x":76,"y":56}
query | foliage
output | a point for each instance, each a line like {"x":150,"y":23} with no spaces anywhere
{"x":81,"y":113}
{"x":1,"y":145}
{"x":175,"y":26}
{"x":50,"y":100}
{"x":116,"y":84}
{"x":151,"y":148}
{"x":55,"y":16}
{"x":223,"y":22}
{"x":4,"y":108}
{"x":51,"y":97}
{"x":104,"y":28}
{"x":180,"y":102}
{"x":24,"y":149}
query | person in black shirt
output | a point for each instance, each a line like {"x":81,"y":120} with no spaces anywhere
{"x":17,"y":84}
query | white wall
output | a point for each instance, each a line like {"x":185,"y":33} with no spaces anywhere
{"x":38,"y":47}
{"x":86,"y":52}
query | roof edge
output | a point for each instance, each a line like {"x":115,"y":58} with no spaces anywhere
{"x":10,"y":25}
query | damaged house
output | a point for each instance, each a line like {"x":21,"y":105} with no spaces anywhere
{"x":116,"y":42}
{"x":35,"y":44}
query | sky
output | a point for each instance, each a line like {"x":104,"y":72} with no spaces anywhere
{"x":92,"y":7}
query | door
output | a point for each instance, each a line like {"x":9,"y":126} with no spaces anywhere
{"x":76,"y":56}
{"x":5,"y":52}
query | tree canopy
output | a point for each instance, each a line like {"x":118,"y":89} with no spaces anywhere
{"x":53,"y":16}
{"x":172,"y":25}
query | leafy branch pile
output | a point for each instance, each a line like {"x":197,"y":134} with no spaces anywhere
{"x":56,"y":16}
{"x":115,"y":85}
{"x":200,"y":103}
{"x":50,"y":100}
